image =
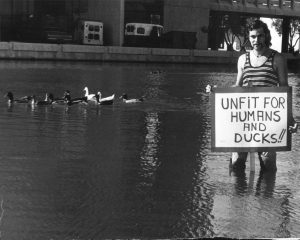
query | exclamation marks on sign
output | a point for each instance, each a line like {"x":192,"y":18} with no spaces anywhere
{"x":281,"y":135}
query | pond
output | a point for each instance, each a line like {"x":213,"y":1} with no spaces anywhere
{"x":132,"y":170}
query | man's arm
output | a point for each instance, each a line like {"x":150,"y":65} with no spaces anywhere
{"x":240,"y":69}
{"x":280,"y":66}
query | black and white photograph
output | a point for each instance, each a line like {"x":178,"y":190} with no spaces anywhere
{"x":149,"y":119}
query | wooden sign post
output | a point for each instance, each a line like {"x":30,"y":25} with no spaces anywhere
{"x":251,"y":119}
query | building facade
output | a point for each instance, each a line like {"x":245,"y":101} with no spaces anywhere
{"x":183,"y":20}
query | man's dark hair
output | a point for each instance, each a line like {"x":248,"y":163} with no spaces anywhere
{"x":256,"y":24}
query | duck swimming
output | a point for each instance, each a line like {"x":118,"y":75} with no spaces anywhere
{"x":48,"y":100}
{"x":104,"y":101}
{"x":58,"y":100}
{"x":70,"y":102}
{"x":61,"y":101}
{"x":209,"y":88}
{"x":11,"y":100}
{"x":133,"y":100}
{"x":90,"y":97}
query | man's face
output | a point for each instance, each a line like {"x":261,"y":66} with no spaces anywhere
{"x":257,"y":38}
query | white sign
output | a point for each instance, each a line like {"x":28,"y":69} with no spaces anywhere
{"x":251,"y":119}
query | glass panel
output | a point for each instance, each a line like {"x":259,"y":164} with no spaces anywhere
{"x":130,"y":28}
{"x":91,"y":28}
{"x":228,"y":1}
{"x":251,"y":1}
{"x":262,"y":2}
{"x":90,"y":36}
{"x":96,"y":36}
{"x":140,"y":30}
{"x":274,"y":3}
{"x":287,"y":3}
{"x":296,"y":4}
{"x":97,"y":28}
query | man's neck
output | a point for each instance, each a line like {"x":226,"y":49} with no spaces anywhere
{"x":260,"y":52}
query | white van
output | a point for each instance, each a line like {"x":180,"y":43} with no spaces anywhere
{"x":142,"y":34}
{"x":90,"y":32}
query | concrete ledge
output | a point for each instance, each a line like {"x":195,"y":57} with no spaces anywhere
{"x":171,"y":52}
{"x":37,"y":47}
{"x":129,"y":50}
{"x":83,"y":49}
{"x":70,"y":52}
{"x":209,"y":53}
{"x":5,"y":46}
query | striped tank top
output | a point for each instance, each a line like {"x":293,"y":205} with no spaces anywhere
{"x":261,"y":76}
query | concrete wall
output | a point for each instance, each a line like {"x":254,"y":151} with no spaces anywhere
{"x":38,"y":51}
{"x":189,"y":16}
{"x":111,"y":13}
{"x":65,"y":52}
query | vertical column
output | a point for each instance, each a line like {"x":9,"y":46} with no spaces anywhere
{"x":285,"y":34}
{"x":122,"y":19}
{"x":178,"y":13}
{"x":111,"y":13}
{"x":30,"y":6}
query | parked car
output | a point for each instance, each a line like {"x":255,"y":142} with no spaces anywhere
{"x":89,"y":32}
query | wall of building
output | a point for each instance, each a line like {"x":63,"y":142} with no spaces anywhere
{"x":111,"y":13}
{"x":188,"y":16}
{"x":262,"y":7}
{"x":5,"y":18}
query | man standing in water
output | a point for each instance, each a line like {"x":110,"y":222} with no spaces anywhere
{"x":261,"y":67}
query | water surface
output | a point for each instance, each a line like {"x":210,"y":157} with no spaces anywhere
{"x":132,"y":171}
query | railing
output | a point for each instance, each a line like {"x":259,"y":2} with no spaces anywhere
{"x":281,"y":4}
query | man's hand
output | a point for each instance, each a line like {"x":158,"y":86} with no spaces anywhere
{"x":293,"y":128}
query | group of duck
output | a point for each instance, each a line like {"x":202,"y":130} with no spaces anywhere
{"x":67,"y":100}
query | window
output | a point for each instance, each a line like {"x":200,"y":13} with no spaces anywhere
{"x":140,"y":30}
{"x":287,"y":3}
{"x":274,"y":3}
{"x":130,"y":28}
{"x":91,"y":28}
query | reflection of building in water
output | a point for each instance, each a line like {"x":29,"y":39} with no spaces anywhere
{"x":149,"y":157}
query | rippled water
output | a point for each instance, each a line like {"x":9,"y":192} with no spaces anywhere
{"x":132,"y":171}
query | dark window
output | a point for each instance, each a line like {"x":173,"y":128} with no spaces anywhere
{"x":97,"y":29}
{"x":96,"y":36}
{"x":91,"y":28}
{"x":130,"y":28}
{"x":90,"y":36}
{"x":140,"y":30}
